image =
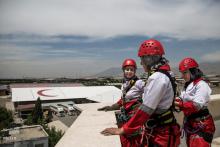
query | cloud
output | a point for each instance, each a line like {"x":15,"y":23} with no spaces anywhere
{"x":26,"y":53}
{"x":211,"y":57}
{"x":182,"y":19}
{"x":44,"y":61}
{"x":34,"y":38}
{"x":74,"y":68}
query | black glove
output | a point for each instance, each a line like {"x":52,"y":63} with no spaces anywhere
{"x":106,"y":108}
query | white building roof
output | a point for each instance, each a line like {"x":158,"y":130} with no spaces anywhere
{"x":29,"y":85}
{"x":23,"y":133}
{"x":97,"y":93}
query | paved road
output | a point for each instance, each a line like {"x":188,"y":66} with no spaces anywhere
{"x":67,"y":120}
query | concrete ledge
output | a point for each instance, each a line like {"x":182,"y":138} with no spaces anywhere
{"x":216,"y":142}
{"x":85,"y":131}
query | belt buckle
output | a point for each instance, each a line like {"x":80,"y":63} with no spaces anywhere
{"x":151,"y":123}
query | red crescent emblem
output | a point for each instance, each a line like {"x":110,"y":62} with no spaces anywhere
{"x":40,"y":92}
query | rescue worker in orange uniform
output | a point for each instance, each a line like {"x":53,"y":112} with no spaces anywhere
{"x":132,"y":90}
{"x":155,"y":113}
{"x":193,"y":101}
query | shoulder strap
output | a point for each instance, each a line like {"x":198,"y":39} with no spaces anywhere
{"x":124,"y":91}
{"x":131,"y":84}
{"x":172,"y":80}
{"x":173,"y":83}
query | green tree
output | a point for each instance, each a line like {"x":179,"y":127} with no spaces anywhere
{"x":29,"y":119}
{"x":6,"y":118}
{"x":54,"y":135}
{"x":49,"y":116}
{"x":37,"y":118}
{"x":37,"y":114}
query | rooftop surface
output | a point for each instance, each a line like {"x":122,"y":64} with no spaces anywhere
{"x":27,"y":85}
{"x":24,"y":133}
{"x":85,"y":131}
{"x":96,"y":93}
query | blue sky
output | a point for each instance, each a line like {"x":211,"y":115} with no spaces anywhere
{"x":77,"y":38}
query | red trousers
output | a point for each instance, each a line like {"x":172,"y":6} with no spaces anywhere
{"x":130,"y":141}
{"x":133,"y":141}
{"x":163,"y":136}
{"x":195,"y":140}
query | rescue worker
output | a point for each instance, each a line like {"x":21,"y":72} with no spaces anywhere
{"x":132,"y":90}
{"x":155,"y":113}
{"x":193,"y":101}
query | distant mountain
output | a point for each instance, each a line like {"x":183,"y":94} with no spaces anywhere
{"x":111,"y":72}
{"x":210,"y":68}
{"x":207,"y":68}
{"x":115,"y":72}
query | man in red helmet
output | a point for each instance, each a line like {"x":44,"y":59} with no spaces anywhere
{"x":132,"y":90}
{"x":156,"y":112}
{"x":198,"y":123}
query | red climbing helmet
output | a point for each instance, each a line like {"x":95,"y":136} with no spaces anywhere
{"x":129,"y":62}
{"x":187,"y":63}
{"x":151,"y":47}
